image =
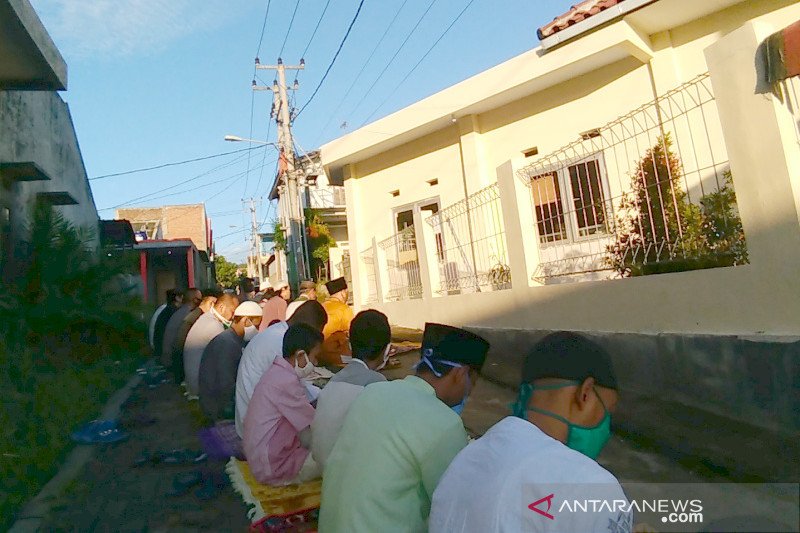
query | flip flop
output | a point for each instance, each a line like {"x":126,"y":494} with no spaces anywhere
{"x":182,"y":483}
{"x":213,"y":485}
{"x":87,"y":432}
{"x":183,"y":457}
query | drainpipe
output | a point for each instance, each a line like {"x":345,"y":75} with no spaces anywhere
{"x":466,"y":202}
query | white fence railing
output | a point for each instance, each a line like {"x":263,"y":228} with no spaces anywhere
{"x":470,"y":244}
{"x":650,"y":192}
{"x":402,"y":263}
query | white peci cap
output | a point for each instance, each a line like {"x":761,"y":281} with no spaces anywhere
{"x":278,"y":285}
{"x":248,"y":309}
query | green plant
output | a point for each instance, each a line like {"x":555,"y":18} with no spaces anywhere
{"x":320,"y":239}
{"x":69,"y":337}
{"x":226,"y":271}
{"x":279,"y":236}
{"x":660,"y":230}
{"x":66,"y":293}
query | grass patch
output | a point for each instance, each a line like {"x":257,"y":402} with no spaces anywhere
{"x":41,"y":405}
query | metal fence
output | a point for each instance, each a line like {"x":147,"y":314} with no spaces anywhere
{"x":326,"y":197}
{"x":347,"y":273}
{"x":402,"y":264}
{"x":647,"y":193}
{"x":470,"y":244}
{"x":370,"y":268}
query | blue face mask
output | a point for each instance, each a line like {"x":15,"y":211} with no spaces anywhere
{"x":589,"y":440}
{"x":425,"y":360}
{"x":459,"y":408}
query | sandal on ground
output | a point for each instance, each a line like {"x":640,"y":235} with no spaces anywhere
{"x":182,"y":483}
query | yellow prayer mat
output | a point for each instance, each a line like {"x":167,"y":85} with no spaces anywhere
{"x":265,"y":500}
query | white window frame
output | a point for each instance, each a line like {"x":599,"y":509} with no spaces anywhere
{"x":568,"y":210}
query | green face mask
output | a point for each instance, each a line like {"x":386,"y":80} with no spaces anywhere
{"x":587,"y":440}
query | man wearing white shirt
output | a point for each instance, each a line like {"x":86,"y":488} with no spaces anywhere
{"x":262,"y":351}
{"x":528,"y":470}
{"x":370,"y":337}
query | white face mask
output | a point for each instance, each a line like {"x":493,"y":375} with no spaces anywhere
{"x":226,"y":323}
{"x":303,"y":371}
{"x":250,"y":332}
{"x":385,"y":358}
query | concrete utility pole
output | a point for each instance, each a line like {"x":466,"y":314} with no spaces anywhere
{"x":294,"y":226}
{"x":255,"y":248}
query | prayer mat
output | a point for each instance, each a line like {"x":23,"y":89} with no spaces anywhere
{"x":221,"y":441}
{"x":305,"y":521}
{"x":284,"y":503}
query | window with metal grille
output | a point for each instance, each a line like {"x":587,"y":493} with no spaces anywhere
{"x":581,"y":212}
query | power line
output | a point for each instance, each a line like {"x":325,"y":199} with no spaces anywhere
{"x":235,"y":160}
{"x":176,"y":163}
{"x":263,"y":28}
{"x":360,"y":72}
{"x":253,"y":94}
{"x":289,"y":29}
{"x":152,"y":195}
{"x":313,"y":34}
{"x":414,"y":29}
{"x":327,"y":71}
{"x":223,"y":180}
{"x":397,"y":86}
{"x":261,"y":173}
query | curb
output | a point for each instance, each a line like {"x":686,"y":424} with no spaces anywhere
{"x":32,"y":515}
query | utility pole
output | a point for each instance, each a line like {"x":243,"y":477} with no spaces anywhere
{"x":295,"y":218}
{"x":255,"y":244}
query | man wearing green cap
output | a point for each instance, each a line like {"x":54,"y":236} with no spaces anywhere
{"x":519,"y":474}
{"x":399,"y":437}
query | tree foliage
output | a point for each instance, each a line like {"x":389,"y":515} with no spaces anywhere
{"x":660,"y":230}
{"x":320,"y":240}
{"x":226,"y":271}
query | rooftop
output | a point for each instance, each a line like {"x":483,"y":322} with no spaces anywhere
{"x":576,"y":14}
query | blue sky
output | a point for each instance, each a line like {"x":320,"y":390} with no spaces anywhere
{"x":155,"y":81}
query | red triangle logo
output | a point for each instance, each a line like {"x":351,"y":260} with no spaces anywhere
{"x":534,"y":506}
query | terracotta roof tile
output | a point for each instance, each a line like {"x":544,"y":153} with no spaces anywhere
{"x":576,"y":14}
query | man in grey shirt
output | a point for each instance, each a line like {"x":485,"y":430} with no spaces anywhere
{"x":191,"y":299}
{"x":370,"y":337}
{"x":217,"y":378}
{"x":208,"y":326}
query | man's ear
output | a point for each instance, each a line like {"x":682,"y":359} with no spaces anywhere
{"x":585,"y":392}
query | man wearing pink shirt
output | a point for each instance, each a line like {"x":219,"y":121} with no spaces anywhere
{"x":277,"y":427}
{"x":275,"y":306}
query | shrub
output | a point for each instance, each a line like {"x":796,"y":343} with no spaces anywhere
{"x":659,"y":230}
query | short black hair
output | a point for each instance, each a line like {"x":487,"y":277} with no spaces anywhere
{"x":172,"y":295}
{"x":568,"y":355}
{"x":311,"y":313}
{"x":247,"y":285}
{"x":300,"y":337}
{"x":369,"y":334}
{"x":212,"y":292}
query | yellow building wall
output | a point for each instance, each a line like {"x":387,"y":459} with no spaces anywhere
{"x":699,"y":301}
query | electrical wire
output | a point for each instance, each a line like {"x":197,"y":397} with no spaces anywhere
{"x":313,"y":34}
{"x":176,"y":163}
{"x":152,"y":195}
{"x":397,"y":52}
{"x":253,"y":93}
{"x":360,"y":72}
{"x":263,"y":29}
{"x":425,"y":55}
{"x":261,"y":173}
{"x":289,"y":29}
{"x":328,"y":70}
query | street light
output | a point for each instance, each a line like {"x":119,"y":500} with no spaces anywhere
{"x":237,"y":139}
